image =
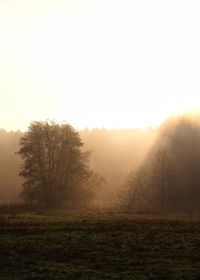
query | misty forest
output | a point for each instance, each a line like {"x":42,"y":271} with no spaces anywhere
{"x":53,"y":166}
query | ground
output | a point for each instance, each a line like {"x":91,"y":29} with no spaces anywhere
{"x":72,"y":245}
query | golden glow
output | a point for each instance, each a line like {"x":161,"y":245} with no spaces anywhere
{"x":98,"y":63}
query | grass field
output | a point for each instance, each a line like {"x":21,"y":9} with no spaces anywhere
{"x":71,"y":245}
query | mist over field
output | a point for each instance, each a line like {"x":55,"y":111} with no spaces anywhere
{"x":118,"y":154}
{"x":114,"y":153}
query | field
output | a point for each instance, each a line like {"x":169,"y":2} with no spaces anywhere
{"x":72,"y":245}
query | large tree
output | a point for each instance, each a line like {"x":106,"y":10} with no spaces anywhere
{"x":55,"y":170}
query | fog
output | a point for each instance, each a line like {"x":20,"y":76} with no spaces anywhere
{"x":10,"y":182}
{"x":114,"y":153}
{"x":117,"y":153}
{"x":172,"y":167}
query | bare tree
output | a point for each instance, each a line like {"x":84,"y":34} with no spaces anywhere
{"x":137,"y":187}
{"x":162,"y":177}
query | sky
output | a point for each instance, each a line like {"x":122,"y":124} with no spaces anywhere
{"x":98,"y":63}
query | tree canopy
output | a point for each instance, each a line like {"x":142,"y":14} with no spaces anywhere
{"x":54,"y":168}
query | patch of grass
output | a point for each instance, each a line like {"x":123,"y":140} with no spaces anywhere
{"x":62,"y":245}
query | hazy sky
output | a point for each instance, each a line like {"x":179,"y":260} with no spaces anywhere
{"x":111,"y":63}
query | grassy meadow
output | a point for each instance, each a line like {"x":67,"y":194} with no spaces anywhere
{"x":75,"y":245}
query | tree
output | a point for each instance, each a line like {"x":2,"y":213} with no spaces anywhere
{"x":137,"y":185}
{"x":54,"y":168}
{"x":162,"y":177}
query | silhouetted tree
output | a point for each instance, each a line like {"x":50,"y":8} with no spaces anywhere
{"x":162,"y":178}
{"x":137,"y":187}
{"x":55,"y":170}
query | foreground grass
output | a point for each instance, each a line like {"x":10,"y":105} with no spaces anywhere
{"x":99,"y":246}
